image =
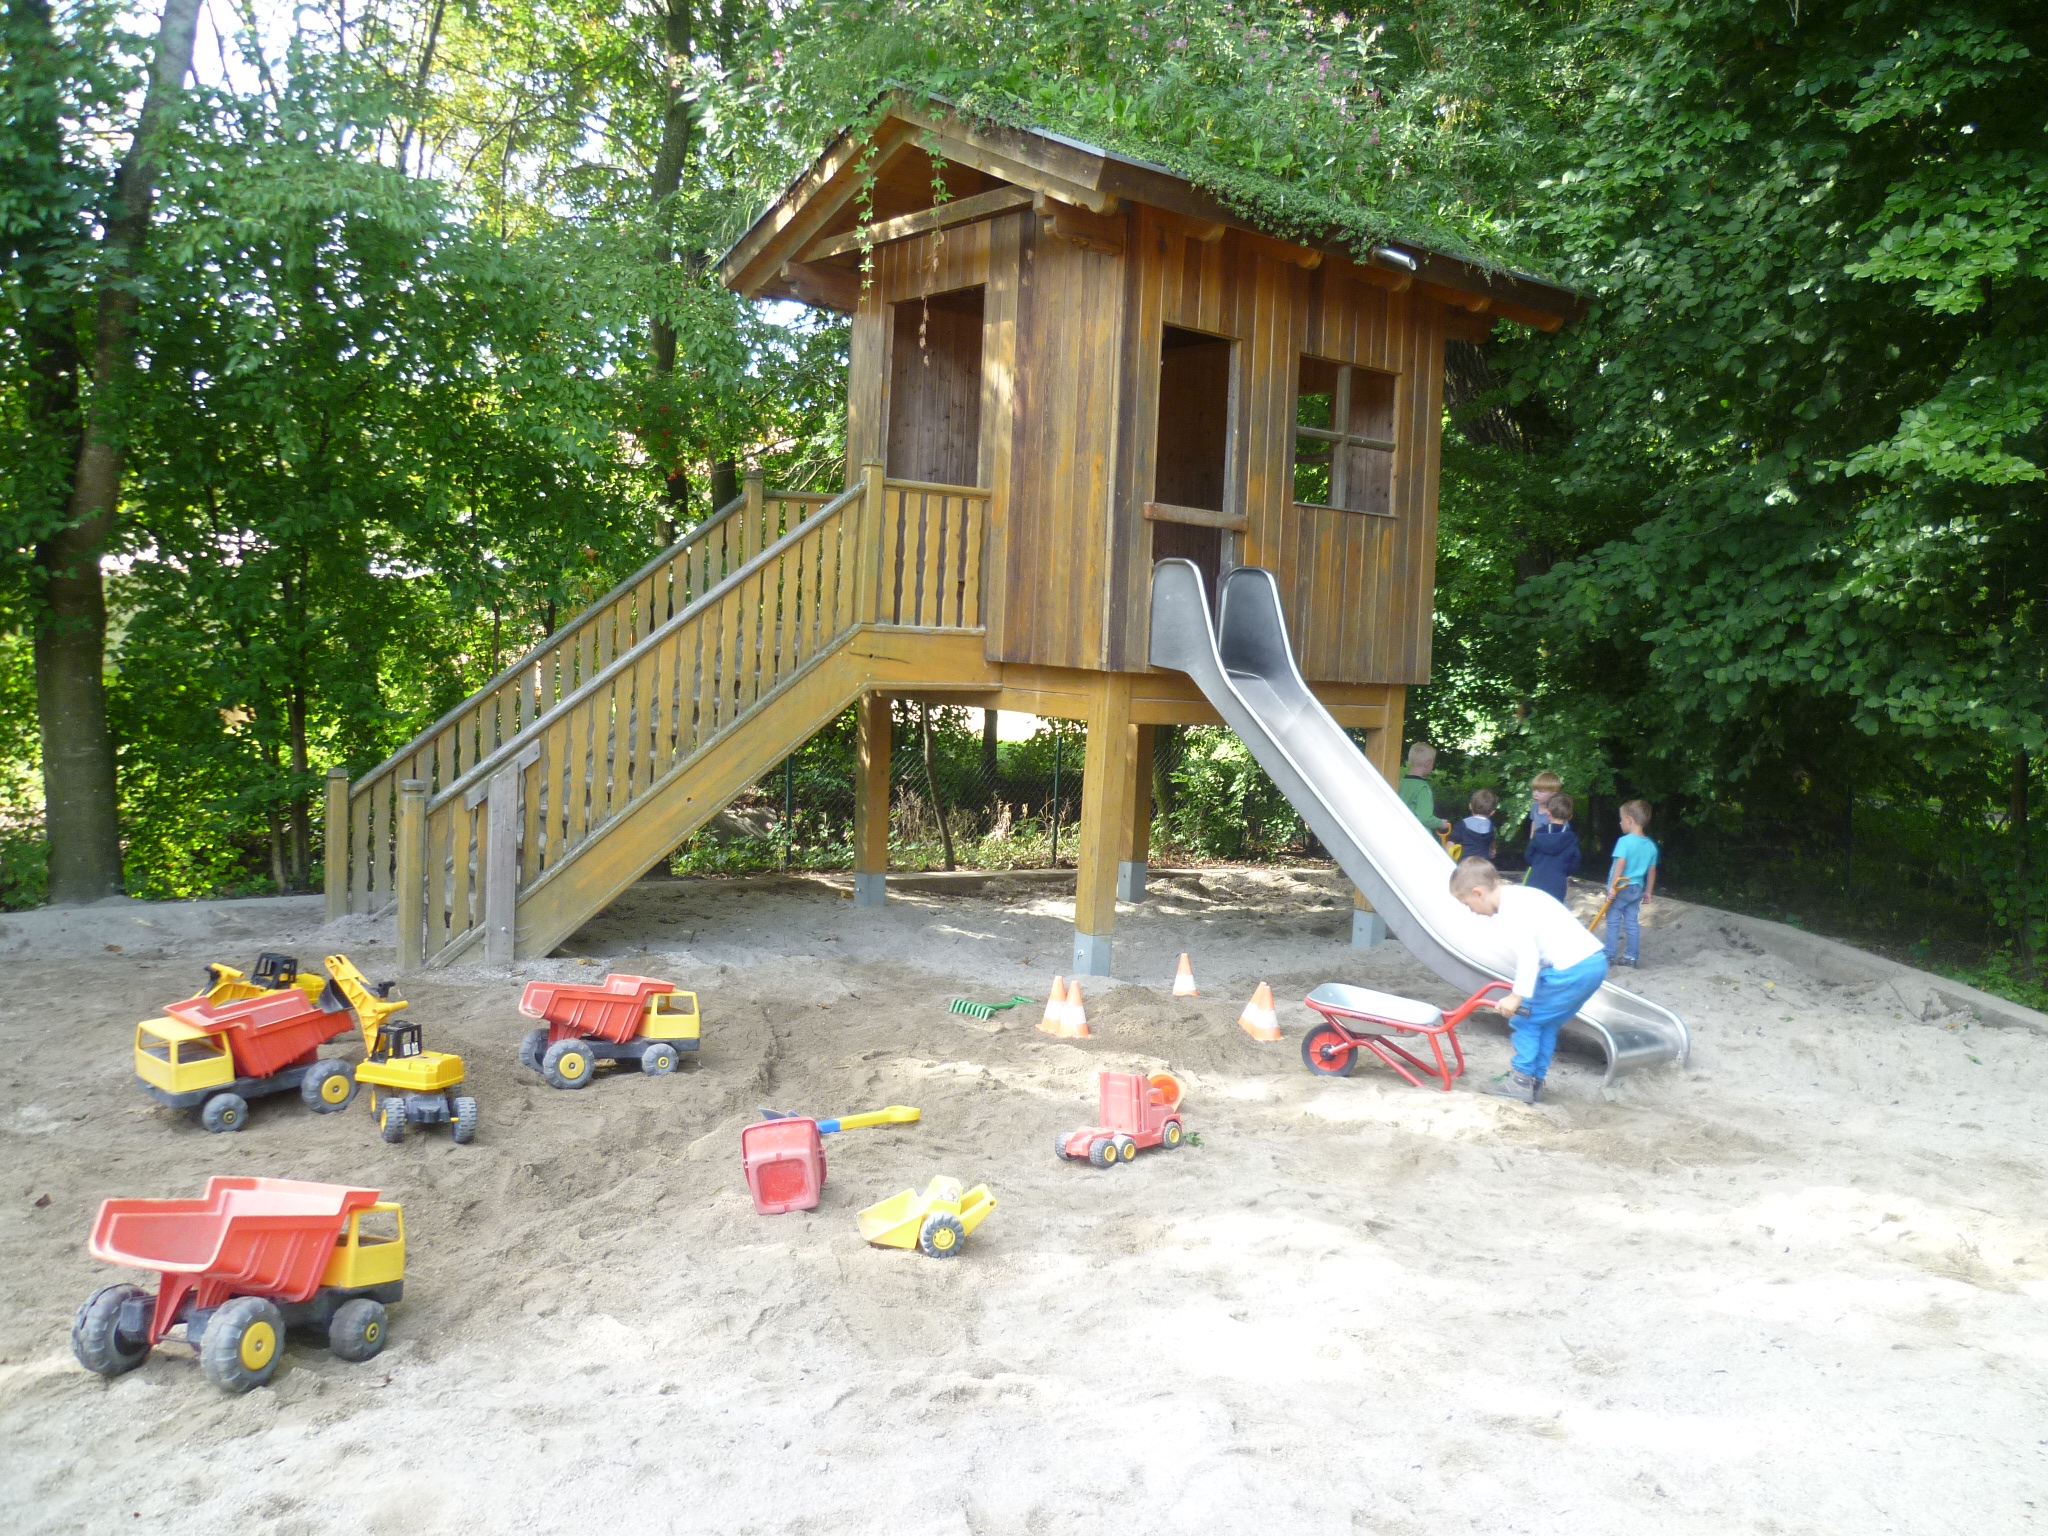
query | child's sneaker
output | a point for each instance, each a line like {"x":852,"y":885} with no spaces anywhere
{"x":1513,"y":1085}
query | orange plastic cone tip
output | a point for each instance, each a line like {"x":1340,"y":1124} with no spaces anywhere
{"x":1055,"y":1007}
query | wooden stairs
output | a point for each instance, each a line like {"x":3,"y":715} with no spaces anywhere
{"x":519,"y":815}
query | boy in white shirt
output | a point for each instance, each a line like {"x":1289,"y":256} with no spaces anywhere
{"x":1558,"y":965}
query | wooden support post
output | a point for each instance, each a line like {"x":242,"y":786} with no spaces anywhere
{"x":411,"y":833}
{"x":871,"y":801}
{"x":1383,"y":751}
{"x":500,"y":796}
{"x":1368,"y":928}
{"x":868,"y":553}
{"x":334,"y":842}
{"x":1109,"y":784}
{"x":758,"y":536}
{"x":1130,"y":873}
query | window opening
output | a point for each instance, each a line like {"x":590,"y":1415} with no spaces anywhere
{"x":1191,"y":458}
{"x":1344,"y":437}
{"x":935,"y":388}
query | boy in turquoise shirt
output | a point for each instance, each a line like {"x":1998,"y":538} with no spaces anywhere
{"x":1415,"y":791}
{"x":1630,"y":884}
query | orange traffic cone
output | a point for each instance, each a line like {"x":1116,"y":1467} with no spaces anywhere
{"x":1055,"y":1007}
{"x":1258,"y":1019}
{"x":1184,"y":980}
{"x":1075,"y":1022}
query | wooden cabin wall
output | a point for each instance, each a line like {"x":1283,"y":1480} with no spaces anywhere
{"x":1359,"y":589}
{"x":1054,"y":552}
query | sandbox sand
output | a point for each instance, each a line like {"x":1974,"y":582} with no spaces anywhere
{"x":1795,"y":1287}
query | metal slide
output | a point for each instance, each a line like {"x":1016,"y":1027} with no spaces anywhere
{"x":1245,"y":667}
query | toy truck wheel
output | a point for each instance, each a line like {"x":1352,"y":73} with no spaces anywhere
{"x":659,"y":1059}
{"x":464,"y":1120}
{"x":225,"y":1112}
{"x":243,"y":1339}
{"x":1170,"y":1135}
{"x":941,"y":1235}
{"x":568,"y":1064}
{"x":1126,"y":1149}
{"x":531,"y":1049}
{"x":356,"y":1331}
{"x":1102,"y":1152}
{"x":1059,"y":1145}
{"x":1326,"y":1052}
{"x":392,"y":1123}
{"x":328,"y":1088}
{"x":96,"y":1336}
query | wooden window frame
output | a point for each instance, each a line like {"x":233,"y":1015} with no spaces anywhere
{"x":1340,"y":410}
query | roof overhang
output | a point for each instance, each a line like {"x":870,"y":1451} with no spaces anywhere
{"x":778,"y":256}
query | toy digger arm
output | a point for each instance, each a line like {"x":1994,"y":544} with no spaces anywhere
{"x":370,"y":1010}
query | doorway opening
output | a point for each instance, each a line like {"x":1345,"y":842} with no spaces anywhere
{"x":1191,"y":459}
{"x":935,"y":389}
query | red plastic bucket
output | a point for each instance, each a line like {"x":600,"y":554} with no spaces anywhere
{"x":785,"y":1164}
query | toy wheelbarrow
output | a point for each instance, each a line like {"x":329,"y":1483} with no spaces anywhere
{"x":937,"y":1220}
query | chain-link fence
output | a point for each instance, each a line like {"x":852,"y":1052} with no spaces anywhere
{"x":965,"y":794}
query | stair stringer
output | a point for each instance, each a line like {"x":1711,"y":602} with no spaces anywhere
{"x":598,"y":870}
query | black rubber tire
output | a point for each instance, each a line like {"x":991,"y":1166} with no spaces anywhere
{"x":391,"y":1119}
{"x":314,"y":1090}
{"x":230,"y":1365}
{"x":1171,"y":1136}
{"x":573,"y":1054}
{"x":531,"y":1047}
{"x":660,"y":1059}
{"x":225,"y":1112}
{"x":1059,"y":1145}
{"x":1311,"y":1044}
{"x":463,"y":1120}
{"x":356,"y":1331}
{"x":1126,"y":1150}
{"x":942,"y":1236}
{"x":1102,"y":1152}
{"x":96,"y":1337}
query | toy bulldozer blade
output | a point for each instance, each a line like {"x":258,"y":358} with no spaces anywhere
{"x":936,"y":1220}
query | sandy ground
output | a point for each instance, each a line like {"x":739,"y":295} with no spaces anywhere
{"x":1794,"y":1288}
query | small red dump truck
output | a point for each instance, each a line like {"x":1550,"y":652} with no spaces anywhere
{"x":1136,"y":1111}
{"x":626,"y":1018}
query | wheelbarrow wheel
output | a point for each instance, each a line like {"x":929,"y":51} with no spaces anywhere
{"x":659,"y":1059}
{"x":464,"y":1120}
{"x":96,"y":1336}
{"x":356,"y":1331}
{"x":328,"y":1088}
{"x":393,"y":1122}
{"x":225,"y":1112}
{"x":568,"y":1064}
{"x":240,"y":1348}
{"x":1326,"y":1052}
{"x":941,"y":1235}
{"x":532,"y":1048}
{"x":1171,"y":1135}
{"x":1102,"y":1152}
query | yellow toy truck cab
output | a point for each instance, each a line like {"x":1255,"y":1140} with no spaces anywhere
{"x":409,"y":1085}
{"x":178,"y":1060}
{"x":672,"y":1016}
{"x":365,"y":1260}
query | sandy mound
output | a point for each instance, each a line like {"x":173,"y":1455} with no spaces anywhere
{"x":1795,"y":1287}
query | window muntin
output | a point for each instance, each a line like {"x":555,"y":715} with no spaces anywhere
{"x":1344,"y":437}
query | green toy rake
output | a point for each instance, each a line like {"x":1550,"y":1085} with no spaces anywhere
{"x":975,"y":1010}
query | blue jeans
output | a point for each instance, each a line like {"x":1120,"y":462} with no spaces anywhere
{"x":1559,"y":995}
{"x":1625,"y":921}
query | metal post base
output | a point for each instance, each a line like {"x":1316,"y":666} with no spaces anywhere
{"x":1130,"y":881}
{"x":870,"y":890}
{"x":1368,"y":930}
{"x":1091,"y":955}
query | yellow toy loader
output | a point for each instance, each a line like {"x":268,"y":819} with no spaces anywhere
{"x":408,"y":1084}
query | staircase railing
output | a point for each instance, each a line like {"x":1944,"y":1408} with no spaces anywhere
{"x":361,"y":873}
{"x":895,"y":553}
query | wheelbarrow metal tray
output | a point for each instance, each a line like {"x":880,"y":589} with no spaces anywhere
{"x":612,"y":1011}
{"x":263,"y":1237}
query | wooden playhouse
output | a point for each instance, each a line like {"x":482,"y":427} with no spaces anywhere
{"x":1073,"y":365}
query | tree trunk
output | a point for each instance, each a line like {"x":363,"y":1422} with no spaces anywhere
{"x":2023,"y":864}
{"x":301,"y":865}
{"x":668,"y":179}
{"x":78,"y":750}
{"x":931,"y":784}
{"x":725,"y":482}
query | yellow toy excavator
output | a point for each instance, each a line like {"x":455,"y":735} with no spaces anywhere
{"x":408,"y":1085}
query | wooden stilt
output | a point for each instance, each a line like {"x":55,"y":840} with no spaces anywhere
{"x":1108,"y":788}
{"x":411,"y":835}
{"x":1130,"y":872}
{"x":334,"y":842}
{"x":871,"y":801}
{"x":1383,"y":750}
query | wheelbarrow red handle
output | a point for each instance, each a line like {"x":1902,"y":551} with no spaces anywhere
{"x":1464,"y":1010}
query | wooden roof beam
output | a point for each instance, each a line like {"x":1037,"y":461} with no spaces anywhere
{"x":961,"y":210}
{"x":807,"y":207}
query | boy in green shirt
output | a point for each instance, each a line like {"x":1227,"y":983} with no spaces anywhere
{"x":1415,"y":791}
